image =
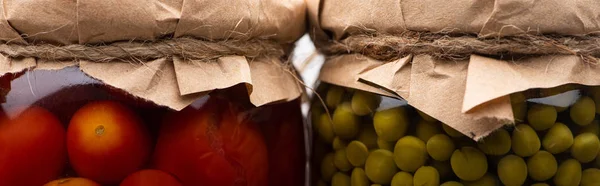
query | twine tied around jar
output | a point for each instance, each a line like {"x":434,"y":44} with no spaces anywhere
{"x":185,"y":48}
{"x":153,"y":63}
{"x":388,"y":47}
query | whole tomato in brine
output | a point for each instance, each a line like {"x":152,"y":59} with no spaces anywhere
{"x":32,"y":148}
{"x":107,"y":141}
{"x":282,"y":125}
{"x":214,"y":145}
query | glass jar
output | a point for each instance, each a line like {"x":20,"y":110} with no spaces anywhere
{"x":64,"y":126}
{"x":362,"y":138}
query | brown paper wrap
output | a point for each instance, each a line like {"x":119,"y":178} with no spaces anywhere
{"x":93,"y":21}
{"x":172,"y":82}
{"x":487,"y":18}
{"x":471,"y":95}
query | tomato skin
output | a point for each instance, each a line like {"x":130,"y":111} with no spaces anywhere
{"x":32,"y":148}
{"x":150,"y":177}
{"x":214,"y":145}
{"x":72,"y":182}
{"x":106,"y":142}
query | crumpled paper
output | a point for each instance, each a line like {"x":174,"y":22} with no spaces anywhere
{"x":174,"y":83}
{"x":472,"y":96}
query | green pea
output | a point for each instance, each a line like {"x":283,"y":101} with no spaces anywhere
{"x":425,"y":130}
{"x":410,"y":153}
{"x":328,"y":168}
{"x":391,"y":124}
{"x":340,"y":179}
{"x":468,"y":163}
{"x":334,"y":96}
{"x":541,"y":117}
{"x":345,"y":123}
{"x":359,"y":178}
{"x":519,"y":106}
{"x":364,"y":103}
{"x":590,"y":177}
{"x":357,"y":153}
{"x":380,"y":166}
{"x":440,"y":147}
{"x":583,"y":111}
{"x":541,"y":166}
{"x":426,"y":176}
{"x":341,"y":161}
{"x":512,"y":170}
{"x":568,"y":173}
{"x":519,"y":111}
{"x":402,"y":179}
{"x":558,"y":139}
{"x":585,"y":147}
{"x":525,"y":141}
{"x":325,"y":129}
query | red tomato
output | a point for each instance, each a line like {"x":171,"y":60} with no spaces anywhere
{"x":150,"y":177}
{"x":214,"y":145}
{"x":32,"y":148}
{"x":283,"y":128}
{"x":72,"y":182}
{"x":106,"y":142}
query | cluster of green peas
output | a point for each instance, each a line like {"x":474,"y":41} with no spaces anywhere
{"x":364,"y":141}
